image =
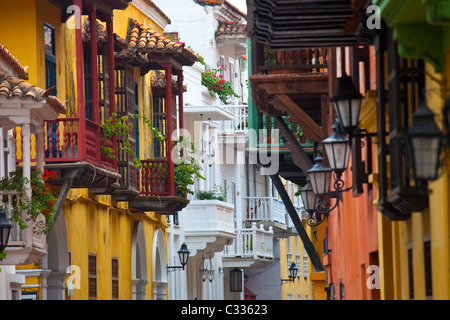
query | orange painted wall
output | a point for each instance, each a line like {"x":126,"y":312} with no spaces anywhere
{"x":352,"y":235}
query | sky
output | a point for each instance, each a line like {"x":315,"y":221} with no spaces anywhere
{"x":240,"y":4}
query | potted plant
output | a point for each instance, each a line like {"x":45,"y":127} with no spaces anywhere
{"x":218,"y":193}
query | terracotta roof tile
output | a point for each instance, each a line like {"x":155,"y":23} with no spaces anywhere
{"x":210,"y":2}
{"x":101,"y":32}
{"x":158,"y":80}
{"x":13,"y":63}
{"x":11,"y":87}
{"x":228,"y":29}
{"x":142,"y":42}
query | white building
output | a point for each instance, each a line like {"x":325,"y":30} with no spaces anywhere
{"x":241,"y":231}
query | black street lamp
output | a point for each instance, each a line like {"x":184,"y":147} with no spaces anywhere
{"x":293,"y":270}
{"x":347,"y":103}
{"x":425,"y":141}
{"x":320,"y":177}
{"x":183,"y":255}
{"x":337,"y":149}
{"x":309,"y":199}
{"x":5,"y":229}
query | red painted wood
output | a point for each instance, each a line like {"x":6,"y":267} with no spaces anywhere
{"x":168,"y":73}
{"x":180,"y":99}
{"x":112,"y":95}
{"x":155,"y":178}
{"x":66,"y":146}
{"x":80,"y":80}
{"x":94,"y":76}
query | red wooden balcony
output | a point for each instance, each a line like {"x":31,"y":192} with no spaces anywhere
{"x":76,"y":156}
{"x":157,"y":189}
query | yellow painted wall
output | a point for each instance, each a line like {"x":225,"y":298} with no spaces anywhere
{"x":302,"y":286}
{"x":94,"y":224}
{"x":432,"y":223}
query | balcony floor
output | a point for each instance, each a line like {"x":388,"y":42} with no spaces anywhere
{"x":304,"y":89}
{"x":85,"y":175}
{"x":160,"y":204}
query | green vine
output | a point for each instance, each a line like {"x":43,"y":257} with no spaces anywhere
{"x":120,"y":125}
{"x":187,"y":170}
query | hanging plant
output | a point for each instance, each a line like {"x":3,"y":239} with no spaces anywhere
{"x":187,"y":170}
{"x":214,"y":81}
{"x":26,"y":210}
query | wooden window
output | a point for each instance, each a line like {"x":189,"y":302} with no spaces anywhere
{"x":159,"y":122}
{"x":125,"y":106}
{"x":115,"y":278}
{"x":92,"y":274}
{"x":428,"y":279}
{"x":50,"y":58}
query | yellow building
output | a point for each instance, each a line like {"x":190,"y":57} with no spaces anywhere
{"x":101,"y":247}
{"x":415,"y":251}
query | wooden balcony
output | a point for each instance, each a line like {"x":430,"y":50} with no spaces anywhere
{"x":309,"y":23}
{"x":294,"y":83}
{"x":81,"y":162}
{"x":156,"y":189}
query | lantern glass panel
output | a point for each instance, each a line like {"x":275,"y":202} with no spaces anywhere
{"x":338,"y":154}
{"x":293,"y":270}
{"x":183,"y":254}
{"x":308,"y":198}
{"x":5,"y":228}
{"x":426,"y":157}
{"x":320,"y":182}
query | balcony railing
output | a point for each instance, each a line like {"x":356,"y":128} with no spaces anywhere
{"x":62,"y":144}
{"x":294,"y":60}
{"x":251,"y":242}
{"x":271,"y":209}
{"x":61,"y":140}
{"x":24,"y":245}
{"x":240,"y":122}
{"x":154,"y":178}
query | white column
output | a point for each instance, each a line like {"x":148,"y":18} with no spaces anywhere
{"x":26,"y":156}
{"x":3,"y":134}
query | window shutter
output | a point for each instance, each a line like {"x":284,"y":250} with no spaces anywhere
{"x":92,"y":273}
{"x":115,"y":278}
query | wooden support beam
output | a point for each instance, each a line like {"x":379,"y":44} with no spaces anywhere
{"x":298,"y":155}
{"x":168,"y":73}
{"x":309,"y":246}
{"x":310,"y":128}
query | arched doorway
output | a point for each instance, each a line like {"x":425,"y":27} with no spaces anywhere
{"x":159,"y":266}
{"x":139,"y":278}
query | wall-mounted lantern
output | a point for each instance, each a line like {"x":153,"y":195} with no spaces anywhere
{"x":293,"y":270}
{"x":183,"y":255}
{"x":5,"y":229}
